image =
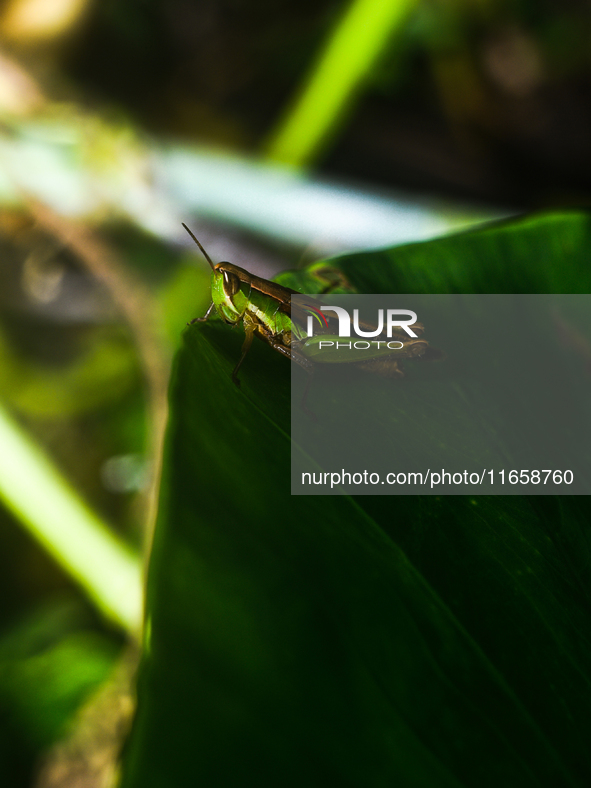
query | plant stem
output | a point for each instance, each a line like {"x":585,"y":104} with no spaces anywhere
{"x":40,"y":497}
{"x":350,"y":52}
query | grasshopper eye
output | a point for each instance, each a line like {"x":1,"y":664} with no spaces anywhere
{"x":231,"y":284}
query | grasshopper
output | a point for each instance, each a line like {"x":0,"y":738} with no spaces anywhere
{"x":265,"y":310}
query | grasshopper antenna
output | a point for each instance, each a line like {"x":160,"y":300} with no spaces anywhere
{"x":207,"y":257}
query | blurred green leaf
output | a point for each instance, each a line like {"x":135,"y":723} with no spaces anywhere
{"x":372,"y":641}
{"x":99,"y":376}
{"x":272,"y":201}
{"x":49,"y":664}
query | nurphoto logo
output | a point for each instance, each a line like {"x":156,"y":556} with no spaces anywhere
{"x":396,"y":319}
{"x":345,"y":321}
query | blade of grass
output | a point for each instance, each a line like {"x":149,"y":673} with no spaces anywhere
{"x":34,"y":490}
{"x":349,"y":54}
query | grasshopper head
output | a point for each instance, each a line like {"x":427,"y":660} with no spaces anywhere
{"x":226,"y":287}
{"x":229,"y":292}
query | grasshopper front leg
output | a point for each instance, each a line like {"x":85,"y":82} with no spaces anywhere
{"x":205,"y":316}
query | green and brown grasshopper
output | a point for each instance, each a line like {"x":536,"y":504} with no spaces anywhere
{"x":266,"y":311}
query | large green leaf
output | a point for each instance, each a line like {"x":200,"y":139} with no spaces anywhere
{"x":376,"y":641}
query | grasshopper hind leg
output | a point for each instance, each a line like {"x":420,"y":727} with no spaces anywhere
{"x":293,"y":354}
{"x":250,"y":329}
